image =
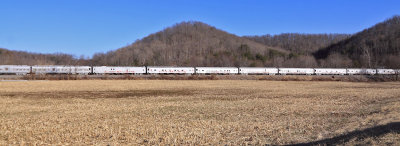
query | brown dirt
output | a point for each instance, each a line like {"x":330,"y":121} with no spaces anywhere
{"x":119,"y":112}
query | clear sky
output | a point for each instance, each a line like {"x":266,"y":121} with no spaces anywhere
{"x":88,"y":26}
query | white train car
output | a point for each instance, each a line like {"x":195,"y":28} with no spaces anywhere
{"x":170,"y":70}
{"x":118,"y":70}
{"x":330,"y":71}
{"x":82,"y":70}
{"x":361,"y":71}
{"x":369,"y":71}
{"x":15,"y":69}
{"x":64,"y":69}
{"x":39,"y":69}
{"x":217,"y":70}
{"x":258,"y":70}
{"x":61,"y":69}
{"x":386,"y":71}
{"x":296,"y":71}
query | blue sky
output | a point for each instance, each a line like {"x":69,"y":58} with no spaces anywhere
{"x":88,"y":26}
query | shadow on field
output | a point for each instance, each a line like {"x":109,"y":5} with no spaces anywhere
{"x":377,"y":131}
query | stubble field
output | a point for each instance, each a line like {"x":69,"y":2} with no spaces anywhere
{"x":118,"y":112}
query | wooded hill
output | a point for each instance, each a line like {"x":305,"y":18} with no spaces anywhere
{"x":198,"y":44}
{"x":378,"y":46}
{"x":8,"y":57}
{"x":301,"y":44}
{"x":192,"y":44}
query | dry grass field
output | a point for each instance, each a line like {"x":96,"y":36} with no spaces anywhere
{"x":119,"y":112}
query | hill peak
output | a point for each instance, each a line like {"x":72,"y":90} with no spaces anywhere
{"x":192,"y":43}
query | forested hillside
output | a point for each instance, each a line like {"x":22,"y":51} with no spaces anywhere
{"x":199,"y":44}
{"x":8,"y":57}
{"x":378,"y":46}
{"x":302,"y":44}
{"x":192,"y":44}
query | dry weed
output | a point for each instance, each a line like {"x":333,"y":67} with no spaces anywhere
{"x":195,"y":112}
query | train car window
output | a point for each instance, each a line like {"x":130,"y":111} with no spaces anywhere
{"x":6,"y":69}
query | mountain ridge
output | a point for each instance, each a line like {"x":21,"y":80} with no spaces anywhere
{"x":193,"y":43}
{"x":376,"y":46}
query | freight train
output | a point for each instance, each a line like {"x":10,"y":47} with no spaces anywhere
{"x":155,"y":70}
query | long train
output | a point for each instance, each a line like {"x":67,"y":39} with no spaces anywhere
{"x":89,"y":70}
